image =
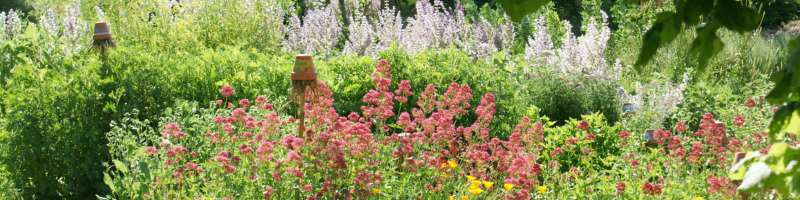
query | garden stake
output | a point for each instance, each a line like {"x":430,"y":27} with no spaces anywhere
{"x":304,"y":82}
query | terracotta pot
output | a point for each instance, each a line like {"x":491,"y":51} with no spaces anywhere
{"x":304,"y":69}
{"x":102,"y":31}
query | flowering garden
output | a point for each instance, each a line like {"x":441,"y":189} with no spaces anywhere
{"x":372,"y":99}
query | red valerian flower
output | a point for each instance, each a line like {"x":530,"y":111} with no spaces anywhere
{"x":620,"y":188}
{"x":750,"y":103}
{"x":403,"y":91}
{"x":623,"y":134}
{"x":151,"y":150}
{"x":244,"y":103}
{"x":583,"y":125}
{"x":738,"y":120}
{"x":680,"y":127}
{"x":226,"y":91}
{"x":651,"y":188}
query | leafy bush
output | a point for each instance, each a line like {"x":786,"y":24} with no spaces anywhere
{"x":56,"y":125}
{"x":561,"y":97}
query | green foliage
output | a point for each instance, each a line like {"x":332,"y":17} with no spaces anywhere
{"x":730,"y":14}
{"x":517,"y":9}
{"x":779,"y":12}
{"x":563,"y":97}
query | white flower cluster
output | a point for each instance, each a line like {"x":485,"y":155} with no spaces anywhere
{"x":659,"y":99}
{"x":487,"y":39}
{"x":10,"y":24}
{"x":582,"y":55}
{"x":317,"y":33}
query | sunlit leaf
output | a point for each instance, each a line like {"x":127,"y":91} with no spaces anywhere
{"x":786,"y":120}
{"x":120,"y":166}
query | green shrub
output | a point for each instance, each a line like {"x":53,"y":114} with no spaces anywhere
{"x":564,"y":97}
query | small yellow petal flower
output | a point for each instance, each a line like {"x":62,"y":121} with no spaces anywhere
{"x":376,"y":191}
{"x":452,"y":198}
{"x":541,"y":189}
{"x":488,"y":184}
{"x":697,"y":198}
{"x":470,"y":178}
{"x":453,"y":164}
{"x":464,"y":197}
{"x":474,"y":183}
{"x":508,"y":186}
{"x":475,"y":190}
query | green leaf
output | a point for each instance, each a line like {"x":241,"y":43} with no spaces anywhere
{"x":518,"y":9}
{"x":663,"y":31}
{"x":120,"y":166}
{"x":787,"y":119}
{"x":691,"y":11}
{"x":775,"y":157}
{"x":706,"y":45}
{"x":109,"y":181}
{"x":736,"y":16}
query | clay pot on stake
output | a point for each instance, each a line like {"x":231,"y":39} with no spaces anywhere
{"x":304,"y":83}
{"x":103,"y":41}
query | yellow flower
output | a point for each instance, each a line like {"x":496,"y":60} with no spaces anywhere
{"x":488,"y":184}
{"x":376,"y":191}
{"x":452,"y":163}
{"x":470,"y":178}
{"x":452,"y":198}
{"x":697,"y":198}
{"x":508,"y":186}
{"x":464,"y":197}
{"x":474,"y":183}
{"x":475,"y":190}
{"x":541,"y":189}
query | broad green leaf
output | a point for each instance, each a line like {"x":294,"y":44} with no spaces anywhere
{"x":776,"y":158}
{"x":786,"y":120}
{"x":110,"y":182}
{"x":518,"y":9}
{"x":706,"y":45}
{"x":663,"y":31}
{"x":736,"y":16}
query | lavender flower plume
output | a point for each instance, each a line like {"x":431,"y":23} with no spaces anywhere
{"x":74,"y":29}
{"x":49,"y":23}
{"x":361,"y":40}
{"x":13,"y":25}
{"x":540,"y":47}
{"x":319,"y":32}
{"x":2,"y":25}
